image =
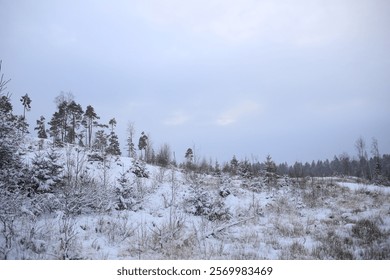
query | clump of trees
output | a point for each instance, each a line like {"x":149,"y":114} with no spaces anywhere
{"x":374,"y":168}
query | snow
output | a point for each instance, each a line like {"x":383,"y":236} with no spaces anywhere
{"x":247,"y":220}
{"x":364,"y":187}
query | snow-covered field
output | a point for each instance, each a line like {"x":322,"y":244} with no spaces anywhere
{"x":178,"y":214}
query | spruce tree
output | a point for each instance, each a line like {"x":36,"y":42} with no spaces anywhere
{"x":47,"y":171}
{"x":234,"y":165}
{"x":15,"y":178}
{"x":270,"y":171}
{"x":55,"y":130}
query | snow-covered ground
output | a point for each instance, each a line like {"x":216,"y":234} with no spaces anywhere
{"x":364,"y":187}
{"x":178,"y":214}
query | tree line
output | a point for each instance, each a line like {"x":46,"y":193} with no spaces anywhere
{"x":374,"y":168}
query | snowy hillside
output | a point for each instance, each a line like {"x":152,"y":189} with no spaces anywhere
{"x":119,"y":208}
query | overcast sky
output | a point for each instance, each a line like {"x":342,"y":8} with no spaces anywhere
{"x":299,"y":80}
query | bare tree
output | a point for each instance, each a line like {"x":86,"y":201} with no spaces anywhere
{"x":375,"y":148}
{"x":360,"y":146}
{"x":164,"y":155}
{"x":3,"y":83}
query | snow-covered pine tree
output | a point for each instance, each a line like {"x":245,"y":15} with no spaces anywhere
{"x":139,"y":169}
{"x":270,"y":171}
{"x":234,"y":165}
{"x":13,"y":173}
{"x":47,"y":170}
{"x":245,"y":169}
{"x":41,"y":128}
{"x":124,"y":191}
{"x":15,"y":185}
{"x":100,"y":143}
{"x":113,"y":145}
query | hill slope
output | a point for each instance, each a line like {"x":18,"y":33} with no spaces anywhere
{"x":120,"y":208}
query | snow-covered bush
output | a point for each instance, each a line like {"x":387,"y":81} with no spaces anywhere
{"x":205,"y":203}
{"x":224,"y":192}
{"x":69,"y":246}
{"x":367,"y":231}
{"x":139,"y":169}
{"x":46,"y":171}
{"x":171,"y":238}
{"x":125,"y":192}
{"x":117,"y":229}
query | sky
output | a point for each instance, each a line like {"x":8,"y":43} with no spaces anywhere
{"x":299,"y":80}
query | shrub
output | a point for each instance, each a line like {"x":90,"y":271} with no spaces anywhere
{"x":367,"y":231}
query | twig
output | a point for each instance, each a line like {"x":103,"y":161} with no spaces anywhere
{"x":221,"y":228}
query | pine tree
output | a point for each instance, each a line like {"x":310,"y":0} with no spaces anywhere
{"x":143,"y":142}
{"x":112,"y":123}
{"x":89,"y":122}
{"x":15,"y":182}
{"x":55,"y":130}
{"x":189,"y":155}
{"x":26,"y":101}
{"x":100,"y":143}
{"x":113,"y":145}
{"x":66,"y":121}
{"x":9,"y":136}
{"x":75,"y":113}
{"x":41,"y":128}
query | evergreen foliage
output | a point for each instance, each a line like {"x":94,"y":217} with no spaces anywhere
{"x":113,"y":145}
{"x":101,"y":141}
{"x":89,"y":121}
{"x":41,"y":128}
{"x":143,"y":142}
{"x":26,"y":102}
{"x":47,"y":171}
